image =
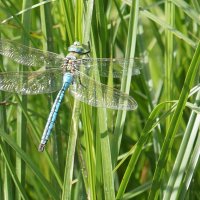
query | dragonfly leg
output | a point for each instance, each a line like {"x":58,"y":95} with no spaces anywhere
{"x":79,"y":78}
{"x":7,"y":103}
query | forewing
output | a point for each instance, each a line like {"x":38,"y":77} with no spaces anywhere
{"x":110,"y":66}
{"x":29,"y":56}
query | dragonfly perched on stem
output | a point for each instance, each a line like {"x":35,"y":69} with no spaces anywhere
{"x":61,"y":73}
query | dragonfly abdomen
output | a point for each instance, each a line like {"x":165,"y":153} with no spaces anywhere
{"x":67,"y":80}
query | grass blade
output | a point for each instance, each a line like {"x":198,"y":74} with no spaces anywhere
{"x":191,"y":169}
{"x":29,"y":162}
{"x":183,"y":156}
{"x":11,"y":169}
{"x":189,"y":81}
{"x":67,"y":185}
{"x":21,"y":119}
{"x":130,"y":51}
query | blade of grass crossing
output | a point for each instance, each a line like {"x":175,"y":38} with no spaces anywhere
{"x":10,"y":11}
{"x":137,"y":191}
{"x":89,"y":180}
{"x":75,"y":120}
{"x":169,"y":139}
{"x":21,"y":119}
{"x":138,"y":148}
{"x":103,"y":145}
{"x":183,"y":155}
{"x":102,"y":133}
{"x":99,"y":170}
{"x":102,"y":138}
{"x":190,"y":166}
{"x":11,"y":169}
{"x":169,"y":14}
{"x":192,"y":13}
{"x":151,"y":123}
{"x":7,"y":192}
{"x":147,"y":84}
{"x":35,"y":130}
{"x":66,"y":195}
{"x":84,"y":171}
{"x":108,"y":182}
{"x":90,"y":156}
{"x":88,"y":19}
{"x":130,"y":51}
{"x":190,"y":170}
{"x":101,"y":18}
{"x":46,"y":26}
{"x":165,"y":25}
{"x":67,"y":11}
{"x":126,"y":80}
{"x":196,"y":5}
{"x":7,"y":188}
{"x":99,"y":167}
{"x":78,"y":19}
{"x":48,"y":187}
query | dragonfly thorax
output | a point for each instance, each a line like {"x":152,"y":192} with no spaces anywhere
{"x":68,"y":64}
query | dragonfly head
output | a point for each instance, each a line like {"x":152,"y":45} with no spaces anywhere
{"x":77,"y":47}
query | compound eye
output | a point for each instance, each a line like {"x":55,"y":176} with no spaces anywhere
{"x":77,"y":43}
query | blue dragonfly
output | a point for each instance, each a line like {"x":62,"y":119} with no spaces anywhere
{"x":59,"y":73}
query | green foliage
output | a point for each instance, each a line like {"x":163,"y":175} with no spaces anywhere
{"x":94,"y":153}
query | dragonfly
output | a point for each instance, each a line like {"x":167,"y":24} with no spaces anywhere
{"x":73,"y":72}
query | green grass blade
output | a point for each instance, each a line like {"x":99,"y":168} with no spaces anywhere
{"x":163,"y":24}
{"x":21,"y":119}
{"x":108,"y":181}
{"x":183,"y":156}
{"x":48,"y":44}
{"x":25,"y":10}
{"x":103,"y":142}
{"x":126,"y":80}
{"x":196,"y":4}
{"x":169,"y":13}
{"x":11,"y":169}
{"x":90,"y":153}
{"x":88,"y":20}
{"x":8,"y":193}
{"x":31,"y":164}
{"x":76,"y":110}
{"x":185,"y":7}
{"x":68,"y":175}
{"x":189,"y":81}
{"x":67,"y":11}
{"x":130,"y":51}
{"x":36,"y":132}
{"x":137,"y":191}
{"x":190,"y":169}
{"x":149,"y":126}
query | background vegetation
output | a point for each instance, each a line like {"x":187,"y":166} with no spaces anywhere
{"x":150,"y":153}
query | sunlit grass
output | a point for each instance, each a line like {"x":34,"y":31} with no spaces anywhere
{"x":95,"y":153}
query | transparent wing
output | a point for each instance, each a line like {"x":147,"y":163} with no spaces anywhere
{"x":29,"y":56}
{"x":96,"y":94}
{"x":115,"y":66}
{"x":36,"y":82}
